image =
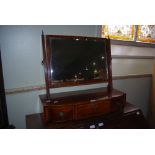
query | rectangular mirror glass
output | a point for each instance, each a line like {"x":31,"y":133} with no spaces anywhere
{"x":75,"y":60}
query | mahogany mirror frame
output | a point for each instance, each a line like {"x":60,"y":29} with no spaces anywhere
{"x":47,"y":63}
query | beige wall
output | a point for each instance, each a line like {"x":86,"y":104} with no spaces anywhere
{"x":127,"y":66}
{"x":132,"y":51}
{"x":136,"y":60}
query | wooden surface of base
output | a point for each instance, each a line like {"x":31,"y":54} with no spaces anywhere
{"x":132,"y":118}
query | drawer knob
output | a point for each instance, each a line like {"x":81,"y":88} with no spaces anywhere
{"x":138,"y":113}
{"x":61,"y":114}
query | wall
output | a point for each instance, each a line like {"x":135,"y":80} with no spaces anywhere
{"x":22,"y":51}
{"x":22,"y":54}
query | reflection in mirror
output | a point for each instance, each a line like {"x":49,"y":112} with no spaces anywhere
{"x":74,"y":60}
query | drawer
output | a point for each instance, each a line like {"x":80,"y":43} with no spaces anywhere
{"x":60,"y":113}
{"x":103,"y":107}
{"x":89,"y":109}
{"x":85,"y":110}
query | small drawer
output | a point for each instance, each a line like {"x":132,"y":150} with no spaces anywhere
{"x":60,"y":113}
{"x":92,"y":108}
{"x":103,"y":107}
{"x":85,"y":110}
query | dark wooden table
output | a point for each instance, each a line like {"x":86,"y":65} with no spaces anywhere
{"x":132,"y":118}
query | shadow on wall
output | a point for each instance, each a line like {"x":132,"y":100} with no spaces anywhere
{"x":138,"y":91}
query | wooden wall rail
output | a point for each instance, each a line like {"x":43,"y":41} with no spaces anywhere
{"x":42,"y":87}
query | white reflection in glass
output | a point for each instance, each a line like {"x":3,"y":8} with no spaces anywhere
{"x":51,"y":71}
{"x":102,"y":57}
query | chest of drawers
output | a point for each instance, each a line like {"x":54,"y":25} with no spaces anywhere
{"x":63,"y":108}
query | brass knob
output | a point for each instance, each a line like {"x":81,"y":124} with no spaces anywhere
{"x":61,"y":114}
